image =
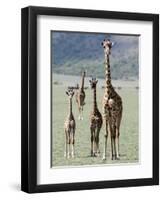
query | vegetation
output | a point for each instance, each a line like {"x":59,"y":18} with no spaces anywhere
{"x":72,"y":52}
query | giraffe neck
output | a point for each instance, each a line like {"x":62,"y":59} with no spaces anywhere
{"x":70,"y":106}
{"x":107,"y":73}
{"x":94,"y":100}
{"x":82,"y":82}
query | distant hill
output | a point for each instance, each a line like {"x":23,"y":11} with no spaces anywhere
{"x":72,"y":52}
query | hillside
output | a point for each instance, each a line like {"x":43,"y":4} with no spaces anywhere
{"x":72,"y":52}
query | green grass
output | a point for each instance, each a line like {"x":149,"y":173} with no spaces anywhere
{"x":129,"y":140}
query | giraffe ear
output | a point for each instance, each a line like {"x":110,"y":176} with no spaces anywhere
{"x":67,"y":93}
{"x":90,"y":81}
{"x":102,"y":43}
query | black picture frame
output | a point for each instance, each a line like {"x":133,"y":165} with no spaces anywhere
{"x":29,"y":99}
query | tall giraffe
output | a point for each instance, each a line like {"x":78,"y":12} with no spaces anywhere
{"x":80,"y":96}
{"x":69,"y":127}
{"x":95,"y":121}
{"x":112,"y":107}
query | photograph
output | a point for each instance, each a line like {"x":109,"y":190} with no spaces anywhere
{"x":90,"y":99}
{"x":94,"y":99}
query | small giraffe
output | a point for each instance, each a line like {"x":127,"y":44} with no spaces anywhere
{"x":69,"y":127}
{"x":80,"y":97}
{"x":112,"y":107}
{"x":95,"y":121}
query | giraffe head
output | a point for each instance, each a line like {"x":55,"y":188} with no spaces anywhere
{"x":107,"y":45}
{"x":93,"y":83}
{"x":70,"y":93}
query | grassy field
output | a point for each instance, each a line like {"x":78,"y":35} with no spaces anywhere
{"x":129,"y":135}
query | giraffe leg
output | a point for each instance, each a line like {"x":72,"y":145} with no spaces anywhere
{"x":78,"y":110}
{"x":111,"y":139}
{"x":114,"y":153}
{"x":79,"y":118}
{"x":68,"y":147}
{"x":112,"y":148}
{"x":97,"y":141}
{"x":105,"y":139}
{"x":118,"y":122}
{"x":91,"y":141}
{"x":66,"y":141}
{"x":73,"y":142}
{"x":81,"y":112}
{"x":117,"y":145}
{"x":94,"y":144}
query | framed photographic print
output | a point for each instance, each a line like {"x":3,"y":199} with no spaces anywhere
{"x":90,"y":99}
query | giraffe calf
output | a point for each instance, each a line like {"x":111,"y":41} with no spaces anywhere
{"x":69,"y":128}
{"x":95,"y":122}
